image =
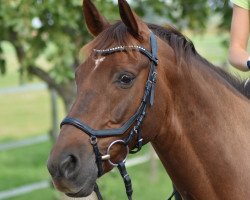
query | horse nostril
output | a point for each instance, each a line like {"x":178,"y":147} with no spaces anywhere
{"x":52,"y":168}
{"x":69,"y":166}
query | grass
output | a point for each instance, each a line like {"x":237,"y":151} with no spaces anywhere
{"x":25,"y":114}
{"x":44,"y":194}
{"x":28,"y":111}
{"x":23,"y":165}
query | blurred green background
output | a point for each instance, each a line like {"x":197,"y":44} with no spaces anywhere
{"x":39,"y":44}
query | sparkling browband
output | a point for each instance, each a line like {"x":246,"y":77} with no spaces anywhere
{"x":125,"y":48}
{"x":119,"y":48}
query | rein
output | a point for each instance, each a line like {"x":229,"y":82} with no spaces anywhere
{"x":136,"y":119}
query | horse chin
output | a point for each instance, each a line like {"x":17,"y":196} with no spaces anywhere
{"x":75,"y":191}
{"x":76,"y":188}
{"x":84,"y":189}
{"x":84,"y":192}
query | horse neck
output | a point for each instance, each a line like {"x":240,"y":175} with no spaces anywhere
{"x":198,"y":137}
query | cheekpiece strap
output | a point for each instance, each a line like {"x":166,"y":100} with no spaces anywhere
{"x":93,"y":141}
{"x":154,"y":46}
{"x":153,"y":73}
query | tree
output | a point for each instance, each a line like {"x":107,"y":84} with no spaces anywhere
{"x":55,"y":29}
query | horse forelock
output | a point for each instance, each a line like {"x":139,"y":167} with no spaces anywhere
{"x":114,"y":36}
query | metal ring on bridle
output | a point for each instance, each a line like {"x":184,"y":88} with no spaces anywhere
{"x":113,"y":143}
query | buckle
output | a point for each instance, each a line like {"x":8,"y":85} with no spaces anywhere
{"x":154,"y":75}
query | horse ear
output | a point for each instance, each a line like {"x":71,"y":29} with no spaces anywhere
{"x":96,"y":23}
{"x":134,"y":24}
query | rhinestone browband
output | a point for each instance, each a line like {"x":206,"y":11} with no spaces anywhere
{"x":124,"y":48}
{"x":119,"y":48}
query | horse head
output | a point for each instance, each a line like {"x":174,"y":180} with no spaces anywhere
{"x":115,"y":88}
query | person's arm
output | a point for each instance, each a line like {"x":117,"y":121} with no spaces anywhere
{"x":238,"y":54}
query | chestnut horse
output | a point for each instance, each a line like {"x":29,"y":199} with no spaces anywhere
{"x":198,"y":117}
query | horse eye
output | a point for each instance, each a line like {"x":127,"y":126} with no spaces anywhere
{"x":125,"y":79}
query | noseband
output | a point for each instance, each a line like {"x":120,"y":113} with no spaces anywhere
{"x":136,"y":119}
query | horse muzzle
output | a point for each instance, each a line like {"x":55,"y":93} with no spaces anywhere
{"x":71,"y":175}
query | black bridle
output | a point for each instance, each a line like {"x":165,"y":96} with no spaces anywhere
{"x":136,"y":119}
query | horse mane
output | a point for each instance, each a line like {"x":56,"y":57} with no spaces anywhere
{"x":185,"y":48}
{"x":182,"y":46}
